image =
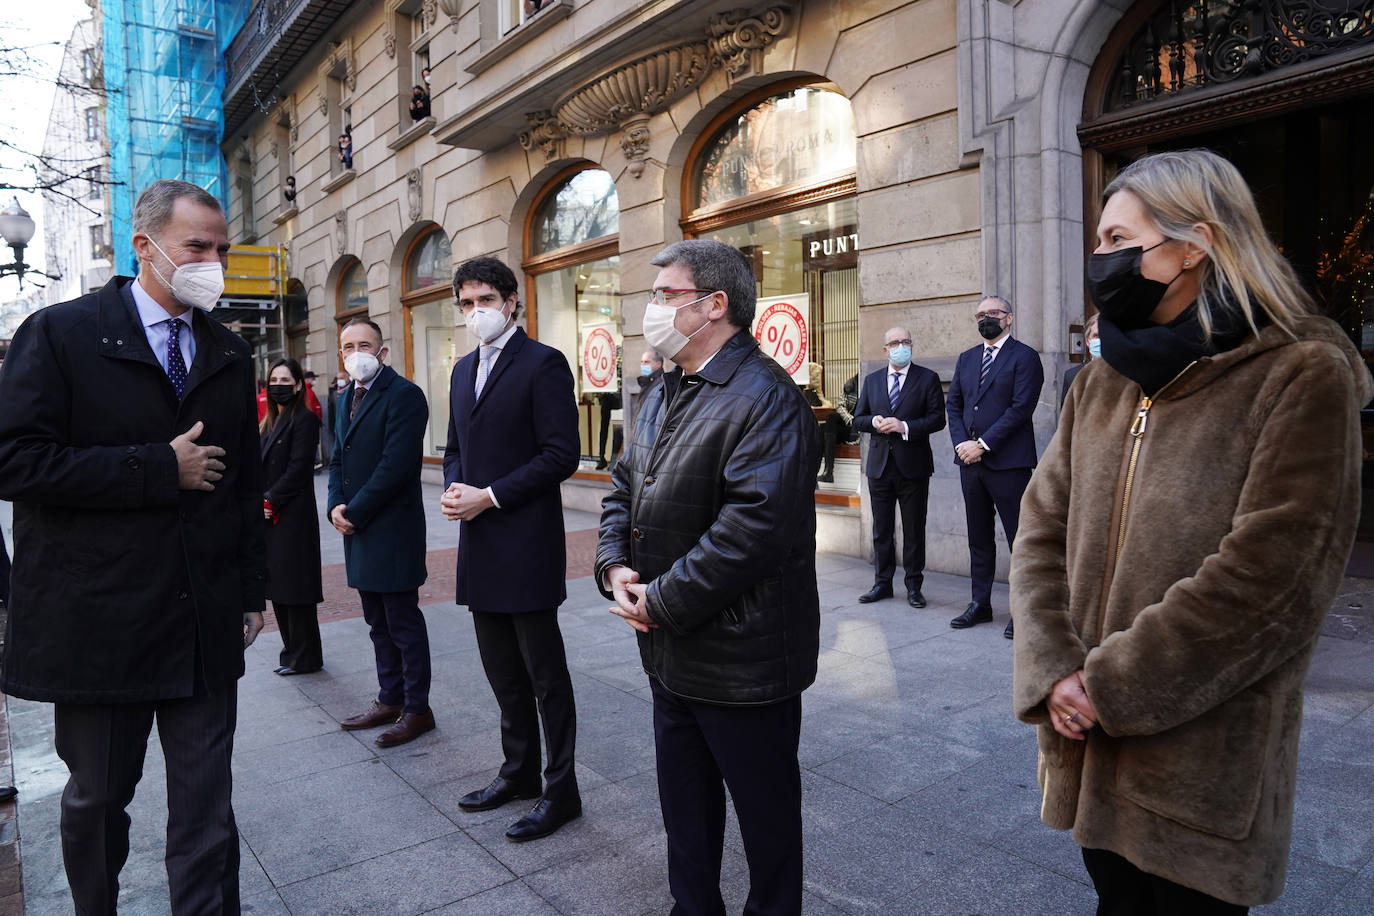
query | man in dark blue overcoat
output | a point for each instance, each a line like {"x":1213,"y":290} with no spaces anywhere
{"x":375,"y":503}
{"x":512,"y":440}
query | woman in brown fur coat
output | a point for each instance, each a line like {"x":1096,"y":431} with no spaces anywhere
{"x":1180,"y":545}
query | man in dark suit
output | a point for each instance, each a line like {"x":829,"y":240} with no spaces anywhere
{"x":376,"y":504}
{"x":129,"y":446}
{"x":899,"y":406}
{"x":991,"y":405}
{"x":512,"y":440}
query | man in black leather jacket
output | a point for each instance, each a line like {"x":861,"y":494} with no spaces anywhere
{"x":708,"y":548}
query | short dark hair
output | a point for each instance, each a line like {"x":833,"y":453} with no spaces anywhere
{"x":1006,"y":306}
{"x":490,"y":271}
{"x":717,"y":266}
{"x":367,"y":321}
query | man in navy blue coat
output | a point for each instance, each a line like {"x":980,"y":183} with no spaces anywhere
{"x":991,"y":403}
{"x":376,"y":504}
{"x":512,"y":440}
{"x":899,"y":407}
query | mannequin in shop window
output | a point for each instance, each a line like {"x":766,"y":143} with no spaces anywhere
{"x":419,"y":103}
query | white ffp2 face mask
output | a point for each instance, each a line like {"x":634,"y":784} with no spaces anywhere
{"x":486,"y":324}
{"x":361,"y":366}
{"x":198,"y":284}
{"x":662,"y":334}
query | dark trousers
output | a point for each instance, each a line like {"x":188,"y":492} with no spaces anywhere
{"x":400,"y":640}
{"x":890,"y":492}
{"x":986,"y":491}
{"x":833,"y":431}
{"x":103,"y":746}
{"x":525,"y":664}
{"x":299,"y":626}
{"x":753,"y":750}
{"x":1124,"y":890}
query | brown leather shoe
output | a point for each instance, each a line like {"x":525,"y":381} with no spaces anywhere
{"x":377,"y":714}
{"x":410,"y":726}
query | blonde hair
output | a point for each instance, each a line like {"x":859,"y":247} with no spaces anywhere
{"x":1243,"y":269}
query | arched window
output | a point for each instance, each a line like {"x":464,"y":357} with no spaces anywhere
{"x":572,"y":267}
{"x":351,"y":296}
{"x":430,"y":339}
{"x":775,"y":177}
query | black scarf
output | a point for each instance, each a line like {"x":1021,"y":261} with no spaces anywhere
{"x":1154,"y":355}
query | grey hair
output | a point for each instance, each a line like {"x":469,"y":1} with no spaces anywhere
{"x":1000,"y":301}
{"x":154,"y":207}
{"x":717,"y":266}
{"x":657,"y":356}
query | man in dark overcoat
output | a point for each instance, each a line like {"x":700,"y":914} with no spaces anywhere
{"x":376,"y":504}
{"x":129,"y":446}
{"x":991,"y":408}
{"x":899,"y":407}
{"x":512,"y":440}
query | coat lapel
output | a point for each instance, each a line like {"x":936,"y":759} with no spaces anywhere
{"x":374,"y":394}
{"x":282,"y":424}
{"x":1003,"y":356}
{"x":121,"y":334}
{"x":212,"y":354}
{"x":506,"y":356}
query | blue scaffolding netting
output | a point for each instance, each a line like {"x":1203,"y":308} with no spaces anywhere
{"x":164,"y":78}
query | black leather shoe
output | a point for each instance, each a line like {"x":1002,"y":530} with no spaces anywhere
{"x":500,"y":792}
{"x":876,"y":593}
{"x":915,"y":598}
{"x":546,"y":817}
{"x":827,"y":477}
{"x":1010,"y":631}
{"x":972,"y":614}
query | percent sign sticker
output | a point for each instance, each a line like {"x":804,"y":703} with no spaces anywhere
{"x":598,"y":358}
{"x":782,"y":335}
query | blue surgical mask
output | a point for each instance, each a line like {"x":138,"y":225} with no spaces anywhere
{"x":899,"y":355}
{"x":1095,"y":348}
{"x":646,"y":371}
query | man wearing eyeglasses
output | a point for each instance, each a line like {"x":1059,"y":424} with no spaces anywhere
{"x":708,"y":549}
{"x":899,"y":407}
{"x":991,"y":402}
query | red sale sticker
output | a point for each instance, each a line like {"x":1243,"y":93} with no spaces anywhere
{"x":781,"y":332}
{"x":598,"y":358}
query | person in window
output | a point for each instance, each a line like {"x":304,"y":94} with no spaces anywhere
{"x":289,"y":434}
{"x":288,"y":191}
{"x":1163,"y":636}
{"x":419,"y":103}
{"x":346,"y":147}
{"x":424,"y":78}
{"x":533,"y":6}
{"x":839,"y":427}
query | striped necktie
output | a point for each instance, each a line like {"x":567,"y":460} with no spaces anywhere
{"x":894,"y":390}
{"x":987,"y":364}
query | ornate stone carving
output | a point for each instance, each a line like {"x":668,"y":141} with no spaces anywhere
{"x":339,"y":58}
{"x":544,"y":131}
{"x":453,"y":9}
{"x":341,"y":231}
{"x":634,"y":142}
{"x":274,"y":149}
{"x":646,"y":85}
{"x":389,"y":37}
{"x":429,"y":12}
{"x":323,"y":101}
{"x":413,"y":191}
{"x":738,"y":37}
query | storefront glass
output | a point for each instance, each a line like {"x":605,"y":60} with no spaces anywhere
{"x":430,"y":263}
{"x":433,"y":336}
{"x":353,"y":288}
{"x":577,"y":298}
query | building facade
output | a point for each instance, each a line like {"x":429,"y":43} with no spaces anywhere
{"x":882,"y":162}
{"x":76,"y":199}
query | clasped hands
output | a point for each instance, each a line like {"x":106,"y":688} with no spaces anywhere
{"x":890,"y":425}
{"x":629,"y":595}
{"x":969,"y":451}
{"x":461,"y":501}
{"x":1071,"y":712}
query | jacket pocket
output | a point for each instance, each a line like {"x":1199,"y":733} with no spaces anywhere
{"x":1206,"y":774}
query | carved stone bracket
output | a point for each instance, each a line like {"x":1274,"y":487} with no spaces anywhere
{"x":544,"y":131}
{"x":738,"y":38}
{"x":429,"y":13}
{"x":413,"y":194}
{"x":624,"y":97}
{"x":389,"y":27}
{"x":453,"y":9}
{"x":341,"y":231}
{"x":338,"y":64}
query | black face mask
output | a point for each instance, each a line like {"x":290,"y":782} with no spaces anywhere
{"x":990,"y":328}
{"x":282,"y":394}
{"x":1120,"y":292}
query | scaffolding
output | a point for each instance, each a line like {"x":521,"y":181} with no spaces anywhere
{"x":164,"y":75}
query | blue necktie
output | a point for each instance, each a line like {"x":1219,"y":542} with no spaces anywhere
{"x":987,"y":364}
{"x":176,"y":365}
{"x":895,"y":390}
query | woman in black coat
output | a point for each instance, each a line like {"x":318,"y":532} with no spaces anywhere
{"x":290,"y":432}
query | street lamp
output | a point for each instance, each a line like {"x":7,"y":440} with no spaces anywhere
{"x":16,"y":227}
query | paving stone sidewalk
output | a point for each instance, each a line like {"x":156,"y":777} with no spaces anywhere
{"x":919,"y":785}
